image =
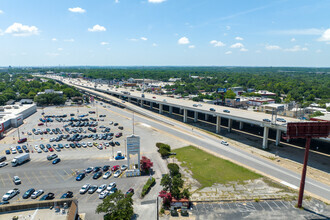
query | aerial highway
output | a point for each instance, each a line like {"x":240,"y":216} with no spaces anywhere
{"x":211,"y":143}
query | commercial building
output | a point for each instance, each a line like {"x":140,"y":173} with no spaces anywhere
{"x":13,"y":115}
{"x":50,"y":91}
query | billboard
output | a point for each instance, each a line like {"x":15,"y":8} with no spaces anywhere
{"x":304,"y":129}
{"x":133,"y":144}
{"x":221,"y":90}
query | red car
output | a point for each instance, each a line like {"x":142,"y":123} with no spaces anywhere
{"x":119,"y":135}
{"x":40,"y":124}
{"x":51,"y":149}
{"x":115,"y":167}
{"x":153,"y":97}
{"x":22,"y":140}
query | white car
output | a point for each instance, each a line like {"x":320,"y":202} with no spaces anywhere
{"x":117,"y":173}
{"x":84,"y":145}
{"x":103,"y":194}
{"x":10,"y":194}
{"x":85,"y":188}
{"x":123,"y":167}
{"x":111,"y":122}
{"x":66,"y":145}
{"x":3,"y":164}
{"x":106,"y":144}
{"x":17,"y":180}
{"x":101,"y":188}
{"x":13,"y":150}
{"x":90,"y":144}
{"x":37,"y":193}
{"x":224,"y":143}
{"x":107,"y":174}
{"x":111,"y":185}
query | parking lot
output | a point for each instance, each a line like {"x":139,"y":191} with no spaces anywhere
{"x":40,"y":173}
{"x":273,"y":209}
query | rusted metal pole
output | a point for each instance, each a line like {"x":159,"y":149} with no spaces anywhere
{"x":303,"y":175}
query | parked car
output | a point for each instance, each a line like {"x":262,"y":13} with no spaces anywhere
{"x":89,"y":169}
{"x":51,"y":157}
{"x":67,"y":195}
{"x":123,"y":167}
{"x":97,"y":175}
{"x":85,"y":188}
{"x":17,"y":180}
{"x":129,"y":192}
{"x":10,"y":194}
{"x":103,"y":194}
{"x":28,"y":193}
{"x":92,"y":189}
{"x":56,"y":161}
{"x":80,"y":177}
{"x":111,"y":185}
{"x":117,"y":173}
{"x":115,"y":167}
{"x":101,"y":188}
{"x":3,"y":164}
{"x":36,"y":194}
{"x":22,"y":140}
{"x":107,"y":175}
{"x":49,"y":196}
{"x":105,"y":168}
{"x":113,"y":190}
{"x":7,"y":152}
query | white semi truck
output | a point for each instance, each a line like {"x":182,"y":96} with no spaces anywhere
{"x":18,"y":160}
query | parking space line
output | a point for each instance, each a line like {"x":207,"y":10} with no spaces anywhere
{"x":52,"y":175}
{"x":276,"y":204}
{"x":284,"y":204}
{"x":27,"y":178}
{"x":35,"y":177}
{"x":269,"y":206}
{"x":3,"y":182}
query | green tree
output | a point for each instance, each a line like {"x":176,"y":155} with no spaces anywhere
{"x":230,"y":94}
{"x":166,"y":182}
{"x":116,"y":207}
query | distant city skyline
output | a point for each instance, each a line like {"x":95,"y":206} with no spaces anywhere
{"x":165,"y":33}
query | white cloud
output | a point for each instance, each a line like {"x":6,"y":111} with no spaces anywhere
{"x":183,"y":40}
{"x":325,"y":36}
{"x":272,"y":47}
{"x":191,"y":46}
{"x":1,"y":32}
{"x":116,"y":1}
{"x":144,"y":38}
{"x":244,"y":49}
{"x":293,"y":39}
{"x":18,"y":29}
{"x":237,"y":45}
{"x":228,"y":27}
{"x":54,"y":39}
{"x":104,"y":43}
{"x":133,"y":39}
{"x":296,"y":49}
{"x":228,"y":52}
{"x":239,"y":38}
{"x":217,"y":43}
{"x":154,"y":45}
{"x":97,"y":28}
{"x":69,"y":40}
{"x":1,"y":12}
{"x":156,"y":1}
{"x":60,"y":49}
{"x":77,"y":10}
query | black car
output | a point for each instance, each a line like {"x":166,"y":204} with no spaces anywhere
{"x":80,"y":176}
{"x":96,"y":169}
{"x":67,"y":195}
{"x":117,"y":143}
{"x":25,"y":149}
{"x":57,"y":160}
{"x":28,"y":193}
{"x":105,"y":168}
{"x":72,"y":145}
{"x":212,"y":109}
{"x":49,"y":196}
{"x":7,"y":151}
{"x":115,"y":124}
{"x":97,"y":175}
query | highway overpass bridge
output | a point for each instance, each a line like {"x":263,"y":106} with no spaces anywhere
{"x":186,"y":108}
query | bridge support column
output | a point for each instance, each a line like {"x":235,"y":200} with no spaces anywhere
{"x":230,"y":124}
{"x":170,"y":110}
{"x":129,"y":99}
{"x":278,"y":137}
{"x":141,"y":103}
{"x":218,"y":125}
{"x":195,"y":116}
{"x":206,"y":117}
{"x":185,"y":115}
{"x":265,"y":138}
{"x":240,"y":125}
{"x":151,"y":105}
{"x":160,"y":108}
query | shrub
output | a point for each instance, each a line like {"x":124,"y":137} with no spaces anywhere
{"x":164,"y":152}
{"x":174,"y":169}
{"x":146,"y":188}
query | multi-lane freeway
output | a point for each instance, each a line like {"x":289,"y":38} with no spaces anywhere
{"x":211,"y":143}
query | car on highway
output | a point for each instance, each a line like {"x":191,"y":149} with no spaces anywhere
{"x":17,"y":180}
{"x":3,"y":164}
{"x":123,"y":167}
{"x":226,"y":111}
{"x":48,"y":196}
{"x":67,"y":195}
{"x":97,"y":175}
{"x":101,"y":188}
{"x":115,"y":167}
{"x":107,"y":175}
{"x":92,"y":189}
{"x":37,"y":193}
{"x":129,"y":192}
{"x":85,"y":188}
{"x":266,"y":120}
{"x":103,"y":194}
{"x":28,"y":193}
{"x":51,"y":157}
{"x":224,"y":143}
{"x":212,"y":109}
{"x":117,"y":173}
{"x":10,"y":194}
{"x":80,"y":177}
{"x":281,"y":120}
{"x":56,"y":161}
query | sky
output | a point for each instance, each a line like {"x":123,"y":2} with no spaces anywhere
{"x":165,"y":33}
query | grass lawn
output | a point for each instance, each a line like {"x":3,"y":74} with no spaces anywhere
{"x":208,"y":169}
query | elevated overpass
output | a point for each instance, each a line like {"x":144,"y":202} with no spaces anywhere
{"x":185,"y":107}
